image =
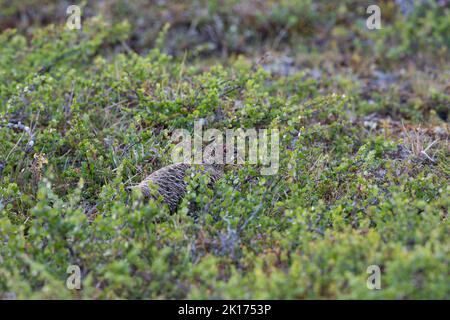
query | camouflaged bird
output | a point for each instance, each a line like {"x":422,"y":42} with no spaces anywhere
{"x":171,"y":184}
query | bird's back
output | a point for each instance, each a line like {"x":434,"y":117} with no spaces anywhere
{"x":171,"y":184}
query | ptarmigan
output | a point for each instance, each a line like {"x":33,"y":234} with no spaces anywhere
{"x":171,"y":184}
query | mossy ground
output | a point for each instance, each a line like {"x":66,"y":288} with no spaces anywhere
{"x":356,"y":109}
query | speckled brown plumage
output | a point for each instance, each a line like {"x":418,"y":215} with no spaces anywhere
{"x":171,"y":184}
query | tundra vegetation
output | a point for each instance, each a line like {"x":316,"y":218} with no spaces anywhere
{"x":363,"y":174}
